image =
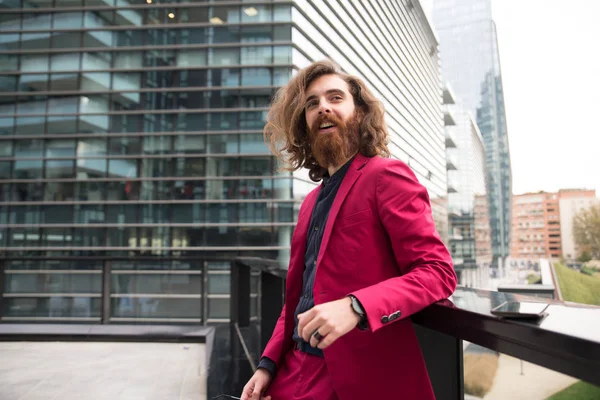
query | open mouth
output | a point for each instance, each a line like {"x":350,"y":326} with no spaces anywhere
{"x":326,"y":126}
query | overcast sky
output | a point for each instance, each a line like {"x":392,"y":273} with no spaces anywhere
{"x":549,"y":55}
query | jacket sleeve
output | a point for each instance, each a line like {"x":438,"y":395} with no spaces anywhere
{"x":426,"y":270}
{"x":267,"y":364}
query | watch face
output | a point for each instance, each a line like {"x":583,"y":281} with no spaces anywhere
{"x":356,"y":307}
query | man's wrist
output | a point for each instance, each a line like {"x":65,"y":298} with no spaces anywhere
{"x":267,"y":365}
{"x":359,"y":311}
{"x":354,"y":313}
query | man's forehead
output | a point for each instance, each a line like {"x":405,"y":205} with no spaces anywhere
{"x":326,"y":83}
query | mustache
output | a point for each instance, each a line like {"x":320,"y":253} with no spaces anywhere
{"x":331,"y":118}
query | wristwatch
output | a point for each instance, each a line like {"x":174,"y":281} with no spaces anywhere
{"x":358,"y":309}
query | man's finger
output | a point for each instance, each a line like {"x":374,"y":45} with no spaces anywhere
{"x":247,"y":392}
{"x":308,"y":330}
{"x":327,"y":341}
{"x":257,"y":393}
{"x":304,"y":318}
{"x":300,"y":324}
{"x":324,"y":331}
{"x":315,"y":339}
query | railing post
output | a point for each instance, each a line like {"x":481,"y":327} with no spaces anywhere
{"x":240,"y":294}
{"x":239,"y":314}
{"x":271,"y":302}
{"x":105,"y":311}
{"x":444,"y":359}
{"x":2,"y":268}
{"x":204,"y":291}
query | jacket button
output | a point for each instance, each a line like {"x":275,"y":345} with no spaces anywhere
{"x":384,"y":319}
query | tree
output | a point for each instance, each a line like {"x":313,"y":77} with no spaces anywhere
{"x":584,"y":257}
{"x":586,"y":231}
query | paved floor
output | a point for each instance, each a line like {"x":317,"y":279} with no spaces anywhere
{"x":536,"y":383}
{"x":94,"y":371}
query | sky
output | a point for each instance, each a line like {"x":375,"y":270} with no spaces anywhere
{"x":550,"y":62}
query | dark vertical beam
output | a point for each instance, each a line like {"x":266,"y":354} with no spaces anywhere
{"x":240,"y":294}
{"x":240,"y":315}
{"x":271,"y":302}
{"x":2,"y":268}
{"x":204,"y":291}
{"x":105,"y":311}
{"x":444,"y":358}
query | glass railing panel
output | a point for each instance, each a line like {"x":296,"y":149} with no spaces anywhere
{"x":41,"y":307}
{"x":492,"y":375}
{"x":125,"y":282}
{"x":26,"y":282}
{"x":156,"y":307}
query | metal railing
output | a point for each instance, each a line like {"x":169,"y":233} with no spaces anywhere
{"x":105,"y":290}
{"x":567,"y":340}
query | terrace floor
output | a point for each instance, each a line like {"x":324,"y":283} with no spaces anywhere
{"x":102,"y":370}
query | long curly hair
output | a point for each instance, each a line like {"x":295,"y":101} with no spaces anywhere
{"x":287,"y":133}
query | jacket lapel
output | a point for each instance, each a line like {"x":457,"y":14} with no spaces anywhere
{"x":351,"y":176}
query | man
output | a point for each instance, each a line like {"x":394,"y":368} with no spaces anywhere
{"x":365,"y":253}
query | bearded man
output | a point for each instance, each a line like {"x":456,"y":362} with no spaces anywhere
{"x":365,"y":254}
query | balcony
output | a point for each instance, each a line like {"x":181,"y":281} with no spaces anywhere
{"x":453,"y":184}
{"x":454,"y":212}
{"x":450,"y":139}
{"x":449,"y":119}
{"x":64,"y":362}
{"x":451,"y":162}
{"x":448,"y":94}
{"x":566,"y":340}
{"x":209,"y":360}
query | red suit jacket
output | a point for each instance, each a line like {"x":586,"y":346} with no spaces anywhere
{"x":381,"y":245}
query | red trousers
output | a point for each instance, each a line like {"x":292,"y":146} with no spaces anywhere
{"x":302,"y":376}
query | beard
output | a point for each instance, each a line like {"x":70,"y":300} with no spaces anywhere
{"x":334,"y":148}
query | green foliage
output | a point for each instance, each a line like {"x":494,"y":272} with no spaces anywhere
{"x":533,"y":278}
{"x":580,"y":391}
{"x":586,"y":231}
{"x":578,"y":287}
{"x":584,"y":257}
{"x":587,"y":271}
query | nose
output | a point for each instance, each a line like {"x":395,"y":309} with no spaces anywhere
{"x":324,"y":108}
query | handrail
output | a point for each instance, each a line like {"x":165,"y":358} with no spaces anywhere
{"x":566,"y":340}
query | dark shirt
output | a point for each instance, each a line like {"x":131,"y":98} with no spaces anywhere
{"x":318,"y":220}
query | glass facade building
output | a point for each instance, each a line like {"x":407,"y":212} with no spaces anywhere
{"x":467,"y":178}
{"x":470,"y":63}
{"x":132,"y":162}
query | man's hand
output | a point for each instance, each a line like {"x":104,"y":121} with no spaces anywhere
{"x":331,"y":320}
{"x":257,"y":385}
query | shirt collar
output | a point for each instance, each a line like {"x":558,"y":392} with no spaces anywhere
{"x":339,"y":174}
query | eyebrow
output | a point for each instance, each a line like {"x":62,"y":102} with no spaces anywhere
{"x":330,"y":91}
